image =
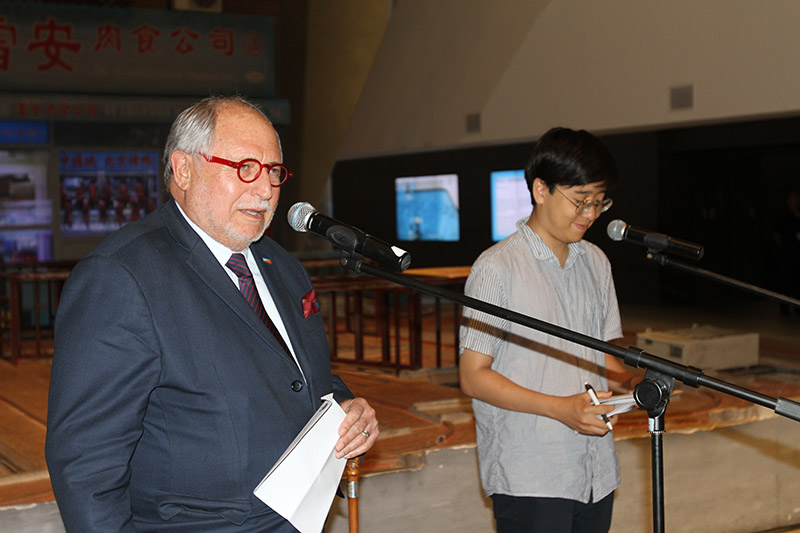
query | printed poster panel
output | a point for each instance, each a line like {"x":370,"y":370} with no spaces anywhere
{"x":102,"y":190}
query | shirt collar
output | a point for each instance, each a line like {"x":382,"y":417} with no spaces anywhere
{"x":220,"y":251}
{"x":541,"y":251}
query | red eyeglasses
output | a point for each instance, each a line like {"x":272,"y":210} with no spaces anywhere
{"x":249,"y":170}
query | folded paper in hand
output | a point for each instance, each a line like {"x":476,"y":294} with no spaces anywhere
{"x":622,"y":403}
{"x":301,"y":485}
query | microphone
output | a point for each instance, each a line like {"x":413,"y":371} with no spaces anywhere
{"x":303,"y":217}
{"x":619,"y":230}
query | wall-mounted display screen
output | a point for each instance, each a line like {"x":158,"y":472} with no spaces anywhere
{"x":511,"y":201}
{"x":427,"y":208}
{"x":23,"y":192}
{"x":26,"y":245}
{"x":26,"y":211}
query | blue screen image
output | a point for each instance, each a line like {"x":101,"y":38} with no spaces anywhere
{"x":511,"y":201}
{"x":427,"y":208}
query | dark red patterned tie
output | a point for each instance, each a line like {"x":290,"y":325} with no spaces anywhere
{"x":238,"y":264}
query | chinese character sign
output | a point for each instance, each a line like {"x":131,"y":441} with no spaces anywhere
{"x":134,"y":51}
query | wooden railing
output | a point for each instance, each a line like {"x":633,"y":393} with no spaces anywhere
{"x":29,"y":294}
{"x":373,"y":322}
{"x":370,"y":321}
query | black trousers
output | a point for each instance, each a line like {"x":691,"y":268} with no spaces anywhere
{"x":515,"y":514}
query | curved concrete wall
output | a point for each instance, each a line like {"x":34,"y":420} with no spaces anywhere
{"x":523,"y":66}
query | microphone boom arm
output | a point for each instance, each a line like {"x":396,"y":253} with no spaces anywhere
{"x":631,"y":356}
{"x":664,"y":260}
{"x":651,"y":394}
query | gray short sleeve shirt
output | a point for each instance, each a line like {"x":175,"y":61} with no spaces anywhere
{"x":522,"y":454}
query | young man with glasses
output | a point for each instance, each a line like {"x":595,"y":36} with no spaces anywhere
{"x":547,"y":457}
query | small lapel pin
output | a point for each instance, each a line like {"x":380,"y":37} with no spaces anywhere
{"x":267,"y":260}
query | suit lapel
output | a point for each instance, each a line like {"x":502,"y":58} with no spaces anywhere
{"x":205,"y":265}
{"x":284,"y":298}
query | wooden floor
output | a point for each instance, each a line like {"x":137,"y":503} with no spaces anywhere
{"x":23,"y":412}
{"x":417,"y":413}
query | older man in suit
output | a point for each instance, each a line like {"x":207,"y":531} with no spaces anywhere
{"x":170,"y":397}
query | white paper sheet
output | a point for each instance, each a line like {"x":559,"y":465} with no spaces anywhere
{"x":623,"y":403}
{"x":302,"y":483}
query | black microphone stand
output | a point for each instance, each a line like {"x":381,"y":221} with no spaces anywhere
{"x":655,"y":416}
{"x":651,"y":394}
{"x":663,"y":260}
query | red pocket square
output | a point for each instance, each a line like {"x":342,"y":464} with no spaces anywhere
{"x":310,"y":304}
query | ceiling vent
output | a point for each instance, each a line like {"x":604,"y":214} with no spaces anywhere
{"x":681,"y":97}
{"x":474,"y":123}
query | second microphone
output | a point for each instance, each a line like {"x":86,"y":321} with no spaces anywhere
{"x":657,"y":242}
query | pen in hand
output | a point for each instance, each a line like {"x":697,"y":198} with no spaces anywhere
{"x":596,"y":401}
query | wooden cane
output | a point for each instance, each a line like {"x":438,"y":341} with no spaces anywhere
{"x":351,"y":468}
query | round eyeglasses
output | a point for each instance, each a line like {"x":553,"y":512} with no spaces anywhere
{"x":249,"y":170}
{"x":601,"y":206}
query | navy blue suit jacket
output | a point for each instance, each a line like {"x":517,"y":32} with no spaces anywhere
{"x":169,"y":398}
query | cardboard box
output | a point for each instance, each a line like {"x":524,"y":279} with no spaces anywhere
{"x":704,"y":347}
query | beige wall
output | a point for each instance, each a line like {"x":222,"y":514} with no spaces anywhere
{"x":343,"y":37}
{"x":527,"y":65}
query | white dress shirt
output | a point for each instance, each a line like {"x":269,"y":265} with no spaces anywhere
{"x":222,"y":254}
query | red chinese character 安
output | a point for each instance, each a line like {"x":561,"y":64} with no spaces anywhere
{"x":52,"y":39}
